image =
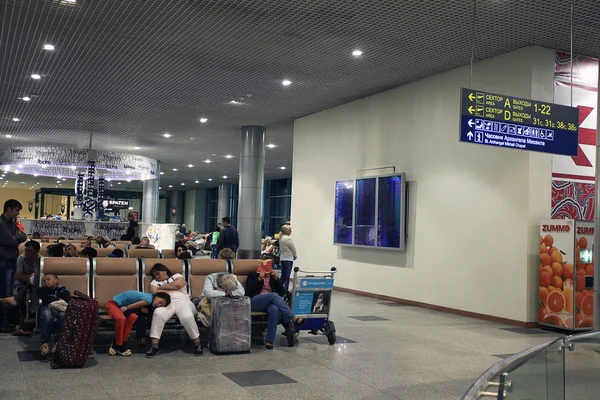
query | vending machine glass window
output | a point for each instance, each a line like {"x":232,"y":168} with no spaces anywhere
{"x":344,"y":199}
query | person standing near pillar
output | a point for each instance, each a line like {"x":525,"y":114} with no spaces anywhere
{"x":228,"y":237}
{"x":10,"y":238}
{"x":287,"y":255}
{"x":133,"y":230}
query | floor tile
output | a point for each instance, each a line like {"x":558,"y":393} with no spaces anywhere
{"x":321,"y":339}
{"x":366,"y":318}
{"x":31,"y":355}
{"x":259,"y":378}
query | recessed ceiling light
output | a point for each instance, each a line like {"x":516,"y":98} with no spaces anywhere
{"x":36,"y":176}
{"x":9,"y":136}
{"x":59,"y":177}
{"x":37,"y":183}
{"x":127,"y":172}
{"x":357,"y":53}
{"x":197,"y":181}
{"x":207,"y":161}
{"x":20,"y":166}
{"x":203,"y":120}
{"x":128,"y":180}
{"x":160,"y":188}
{"x":167,"y":135}
{"x":190,"y":165}
{"x":44,"y":166}
{"x":26,"y":98}
{"x":282,"y":167}
{"x":73,"y":167}
{"x":68,"y":1}
{"x":182,"y":184}
{"x":210,"y":179}
{"x":271,"y":145}
{"x":111,"y":185}
{"x":170,"y":186}
{"x":57,"y":181}
{"x":36,"y":76}
{"x":109,"y":179}
{"x":48,"y":47}
{"x":235,"y":102}
{"x":224,"y":176}
{"x":136,"y":148}
{"x":16,"y":119}
{"x":228,"y":156}
{"x":17,"y":171}
{"x":162,"y":173}
{"x":174,"y":169}
{"x":63,"y":179}
{"x":118,"y":183}
{"x":286,"y":82}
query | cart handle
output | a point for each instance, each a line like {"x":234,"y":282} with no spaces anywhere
{"x":332,"y":271}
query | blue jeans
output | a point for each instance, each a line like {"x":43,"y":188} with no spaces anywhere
{"x":286,"y":270}
{"x":47,"y":321}
{"x":276,"y":308}
{"x":215,"y":252}
{"x":7,"y":277}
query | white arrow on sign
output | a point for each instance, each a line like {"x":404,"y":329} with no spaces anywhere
{"x":470,"y":135}
{"x":471,"y":123}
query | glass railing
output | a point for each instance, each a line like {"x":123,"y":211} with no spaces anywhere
{"x":563,"y":369}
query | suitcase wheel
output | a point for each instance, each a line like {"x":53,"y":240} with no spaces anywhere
{"x":54,"y":365}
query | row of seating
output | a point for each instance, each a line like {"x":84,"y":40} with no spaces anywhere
{"x":103,"y":278}
{"x":104,"y":252}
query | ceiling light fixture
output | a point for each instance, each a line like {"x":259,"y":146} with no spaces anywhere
{"x":224,"y":176}
{"x":128,"y":180}
{"x":357,"y":53}
{"x":286,"y":82}
{"x":197,"y":181}
{"x":271,"y":145}
{"x":20,"y":166}
{"x":235,"y":102}
{"x":36,"y":76}
{"x":44,"y":166}
{"x":162,"y":173}
{"x":48,"y":47}
{"x":207,"y":161}
{"x":136,"y":148}
{"x":118,"y":183}
{"x":210,"y":179}
{"x":167,"y":135}
{"x":170,"y":186}
{"x":59,"y":177}
{"x":203,"y":120}
{"x":16,"y":119}
{"x":36,"y":176}
{"x":9,"y":136}
{"x":182,"y":184}
{"x":159,"y":188}
{"x":174,"y":169}
{"x":282,"y":168}
{"x":26,"y":98}
{"x":228,"y":156}
{"x":190,"y":165}
{"x":73,"y":167}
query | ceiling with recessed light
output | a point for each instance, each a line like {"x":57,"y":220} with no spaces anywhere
{"x":175,"y":80}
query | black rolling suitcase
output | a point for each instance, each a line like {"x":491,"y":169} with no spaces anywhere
{"x":231,"y":325}
{"x":78,"y":333}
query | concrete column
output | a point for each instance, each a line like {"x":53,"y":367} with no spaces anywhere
{"x":252,"y":170}
{"x":176,"y":199}
{"x":150,"y":198}
{"x":224,"y":202}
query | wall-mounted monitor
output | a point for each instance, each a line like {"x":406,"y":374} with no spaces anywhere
{"x":370,"y":212}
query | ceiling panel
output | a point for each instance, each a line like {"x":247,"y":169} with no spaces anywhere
{"x":126,"y":71}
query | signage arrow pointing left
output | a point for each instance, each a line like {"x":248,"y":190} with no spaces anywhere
{"x":471,"y":123}
{"x":471,"y":109}
{"x":471,"y":96}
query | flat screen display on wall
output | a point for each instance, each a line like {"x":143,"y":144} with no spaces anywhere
{"x":371,"y":212}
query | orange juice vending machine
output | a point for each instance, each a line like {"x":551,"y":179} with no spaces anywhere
{"x":565,"y":301}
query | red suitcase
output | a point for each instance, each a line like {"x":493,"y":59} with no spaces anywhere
{"x":78,"y":332}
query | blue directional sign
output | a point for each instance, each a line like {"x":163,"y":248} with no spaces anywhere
{"x":503,"y":121}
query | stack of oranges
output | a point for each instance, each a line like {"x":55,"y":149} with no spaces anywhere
{"x":554,"y":273}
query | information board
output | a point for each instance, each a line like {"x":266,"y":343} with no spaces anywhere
{"x":503,"y":121}
{"x":312,"y":296}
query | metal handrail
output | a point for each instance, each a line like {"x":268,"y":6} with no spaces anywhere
{"x":582,"y":336}
{"x":507,"y":365}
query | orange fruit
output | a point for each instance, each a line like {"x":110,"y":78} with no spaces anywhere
{"x":556,"y":257}
{"x":578,"y":299}
{"x":543,"y":249}
{"x":557,"y":282}
{"x":587,"y":323}
{"x":556,"y":302}
{"x":551,"y":289}
{"x":582,"y":243}
{"x":567,"y":271}
{"x":568,"y":322}
{"x":548,"y":269}
{"x":552,"y":250}
{"x":541,"y":240}
{"x":557,"y":269}
{"x":545,"y":259}
{"x":542,"y":312}
{"x":549,"y":240}
{"x":586,"y":292}
{"x":580,"y":285}
{"x":553,"y":319}
{"x":544,"y":294}
{"x":587,"y":305}
{"x":545,"y":279}
{"x":589,"y":269}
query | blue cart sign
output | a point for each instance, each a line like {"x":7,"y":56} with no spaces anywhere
{"x":312,"y":296}
{"x":315,"y":283}
{"x":503,"y":121}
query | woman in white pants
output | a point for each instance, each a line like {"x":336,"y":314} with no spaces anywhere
{"x":181,"y":306}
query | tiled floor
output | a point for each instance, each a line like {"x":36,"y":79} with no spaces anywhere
{"x":382,"y":353}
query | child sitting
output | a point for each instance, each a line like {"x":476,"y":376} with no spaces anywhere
{"x":121,"y":304}
{"x":54,"y":299}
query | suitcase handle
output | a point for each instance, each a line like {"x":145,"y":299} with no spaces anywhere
{"x":80,"y":295}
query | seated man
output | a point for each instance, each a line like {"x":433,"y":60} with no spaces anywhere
{"x":56,"y":250}
{"x":71,"y":251}
{"x":85,"y":243}
{"x":88,"y":252}
{"x":36,"y":235}
{"x":145,"y":244}
{"x":54,"y":299}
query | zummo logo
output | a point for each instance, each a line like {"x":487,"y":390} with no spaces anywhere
{"x":556,"y":228}
{"x":585,"y":230}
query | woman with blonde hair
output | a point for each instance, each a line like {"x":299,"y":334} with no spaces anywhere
{"x":287,"y":255}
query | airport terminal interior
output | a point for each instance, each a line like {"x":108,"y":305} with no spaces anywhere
{"x":323,"y":199}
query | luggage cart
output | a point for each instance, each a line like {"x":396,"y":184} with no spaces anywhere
{"x":311,"y":300}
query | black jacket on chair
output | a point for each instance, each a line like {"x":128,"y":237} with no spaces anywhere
{"x":255,"y":286}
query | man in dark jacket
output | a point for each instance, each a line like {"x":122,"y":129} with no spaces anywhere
{"x":228,"y":237}
{"x":10,"y":238}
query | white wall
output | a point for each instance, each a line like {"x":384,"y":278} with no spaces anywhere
{"x":474,"y":210}
{"x":189,"y":216}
